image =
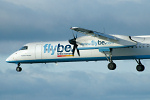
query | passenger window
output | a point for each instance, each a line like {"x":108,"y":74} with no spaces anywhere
{"x":24,"y":48}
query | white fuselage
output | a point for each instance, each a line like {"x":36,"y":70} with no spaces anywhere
{"x":89,"y":47}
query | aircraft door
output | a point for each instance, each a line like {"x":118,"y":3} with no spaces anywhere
{"x":38,"y":52}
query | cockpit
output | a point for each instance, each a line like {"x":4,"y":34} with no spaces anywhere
{"x":24,"y":48}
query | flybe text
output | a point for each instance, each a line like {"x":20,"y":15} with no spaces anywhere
{"x":48,"y":48}
{"x":96,"y":43}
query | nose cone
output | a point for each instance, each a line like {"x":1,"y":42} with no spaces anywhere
{"x":8,"y":59}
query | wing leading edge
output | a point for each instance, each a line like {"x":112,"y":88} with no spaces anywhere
{"x":94,"y":33}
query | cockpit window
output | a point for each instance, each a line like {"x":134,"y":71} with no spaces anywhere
{"x":24,"y":48}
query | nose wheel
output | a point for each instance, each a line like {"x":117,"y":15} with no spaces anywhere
{"x":18,"y":68}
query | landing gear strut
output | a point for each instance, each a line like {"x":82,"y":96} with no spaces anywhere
{"x":140,"y":67}
{"x":111,"y":65}
{"x":18,"y":68}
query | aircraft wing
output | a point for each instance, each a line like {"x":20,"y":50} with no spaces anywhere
{"x":110,"y":41}
{"x":95,"y":34}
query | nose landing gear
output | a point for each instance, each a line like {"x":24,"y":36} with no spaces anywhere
{"x":18,"y":68}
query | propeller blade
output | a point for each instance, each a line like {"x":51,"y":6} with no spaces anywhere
{"x":73,"y":50}
{"x":74,"y":43}
{"x":78,"y":51}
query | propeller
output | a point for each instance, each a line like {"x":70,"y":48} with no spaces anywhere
{"x":75,"y":46}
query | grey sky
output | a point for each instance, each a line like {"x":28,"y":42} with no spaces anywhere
{"x":50,"y":19}
{"x":23,"y":21}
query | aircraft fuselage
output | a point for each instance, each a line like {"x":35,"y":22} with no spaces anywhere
{"x":61,"y":51}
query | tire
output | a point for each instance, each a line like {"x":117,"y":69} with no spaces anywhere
{"x":140,"y":68}
{"x":18,"y":69}
{"x":111,"y":66}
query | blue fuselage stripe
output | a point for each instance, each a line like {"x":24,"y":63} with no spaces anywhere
{"x":80,"y":59}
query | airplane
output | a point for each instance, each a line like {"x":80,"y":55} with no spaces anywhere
{"x":95,"y":46}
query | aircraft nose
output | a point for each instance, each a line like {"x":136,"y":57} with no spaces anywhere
{"x":9,"y":59}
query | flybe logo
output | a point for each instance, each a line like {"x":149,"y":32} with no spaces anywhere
{"x":48,"y":48}
{"x":96,"y":43}
{"x":66,"y":50}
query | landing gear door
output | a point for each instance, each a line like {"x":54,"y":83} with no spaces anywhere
{"x":38,"y":52}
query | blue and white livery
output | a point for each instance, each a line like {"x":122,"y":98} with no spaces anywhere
{"x":94,"y":47}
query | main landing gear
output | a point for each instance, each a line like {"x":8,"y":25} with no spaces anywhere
{"x":111,"y":65}
{"x":18,"y":68}
{"x":140,"y":67}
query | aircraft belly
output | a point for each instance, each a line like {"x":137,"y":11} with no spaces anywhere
{"x":131,"y":51}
